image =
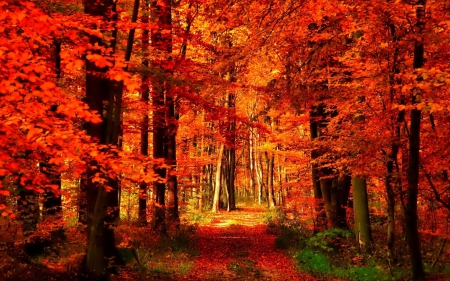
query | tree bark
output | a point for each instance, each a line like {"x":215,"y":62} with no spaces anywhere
{"x":101,"y":247}
{"x":216,"y":200}
{"x":326,"y":189}
{"x":361,"y":213}
{"x":270,"y":167}
{"x":161,"y":12}
{"x":320,"y":220}
{"x":145,"y":97}
{"x":411,"y":218}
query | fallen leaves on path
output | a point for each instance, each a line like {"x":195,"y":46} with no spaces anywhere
{"x":236,"y":246}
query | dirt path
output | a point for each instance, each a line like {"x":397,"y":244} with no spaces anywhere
{"x":236,"y":246}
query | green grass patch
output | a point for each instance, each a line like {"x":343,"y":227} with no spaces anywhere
{"x":318,"y":264}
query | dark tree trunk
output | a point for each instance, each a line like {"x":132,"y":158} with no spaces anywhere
{"x":270,"y":188}
{"x":231,"y":155}
{"x":172,"y":195}
{"x":361,"y":210}
{"x":161,"y":38}
{"x":102,"y":206}
{"x":411,"y":217}
{"x":343,"y":192}
{"x":326,"y":189}
{"x":145,"y":97}
{"x":320,"y":220}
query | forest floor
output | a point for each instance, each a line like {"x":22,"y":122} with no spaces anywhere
{"x":236,"y":246}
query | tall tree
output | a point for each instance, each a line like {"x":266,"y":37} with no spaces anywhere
{"x":102,"y":194}
{"x":161,"y":38}
{"x":410,"y":209}
{"x":217,"y":187}
{"x":145,"y":97}
{"x":361,"y":210}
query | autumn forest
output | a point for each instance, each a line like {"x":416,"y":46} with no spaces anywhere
{"x":224,"y":140}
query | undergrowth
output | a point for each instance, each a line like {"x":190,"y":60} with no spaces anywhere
{"x":156,"y":257}
{"x":332,"y":253}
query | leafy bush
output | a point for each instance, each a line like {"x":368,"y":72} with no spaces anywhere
{"x":319,"y":264}
{"x":289,"y":237}
{"x":313,"y":262}
{"x":181,"y":241}
{"x":328,"y":240}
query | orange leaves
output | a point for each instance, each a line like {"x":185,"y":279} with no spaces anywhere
{"x":75,"y":65}
{"x":99,"y":60}
{"x":4,"y":192}
{"x":33,"y":131}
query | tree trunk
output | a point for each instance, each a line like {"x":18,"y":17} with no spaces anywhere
{"x":390,"y":210}
{"x":216,"y":200}
{"x":230,"y":152}
{"x":172,"y":184}
{"x":145,"y":97}
{"x":320,"y":220}
{"x":172,"y":123}
{"x":270,"y":167}
{"x":326,"y":189}
{"x":361,"y":213}
{"x":343,"y":192}
{"x":411,"y":218}
{"x":102,"y":206}
{"x":161,"y":38}
{"x":392,"y":157}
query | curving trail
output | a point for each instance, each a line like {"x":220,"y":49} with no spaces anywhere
{"x":236,"y":246}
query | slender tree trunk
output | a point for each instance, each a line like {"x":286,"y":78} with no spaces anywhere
{"x":390,"y":210}
{"x":52,"y":200}
{"x":392,"y":157}
{"x":259,"y":173}
{"x":172,"y":184}
{"x":411,"y":217}
{"x":216,"y":200}
{"x":98,"y":90}
{"x":343,"y":192}
{"x":161,"y":12}
{"x":321,"y":221}
{"x":145,"y":97}
{"x":361,"y":210}
{"x":172,"y":124}
{"x":270,"y":167}
{"x":326,"y":189}
{"x":202,"y":177}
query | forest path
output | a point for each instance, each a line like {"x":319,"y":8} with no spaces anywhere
{"x":236,"y":246}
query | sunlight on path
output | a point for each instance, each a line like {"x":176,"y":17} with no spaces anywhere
{"x":235,"y":246}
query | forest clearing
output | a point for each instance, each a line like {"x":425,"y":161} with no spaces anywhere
{"x":224,"y":140}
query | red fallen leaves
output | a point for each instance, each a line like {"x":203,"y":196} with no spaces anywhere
{"x":221,"y":247}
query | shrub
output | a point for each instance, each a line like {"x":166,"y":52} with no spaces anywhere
{"x":313,"y":262}
{"x":328,"y":240}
